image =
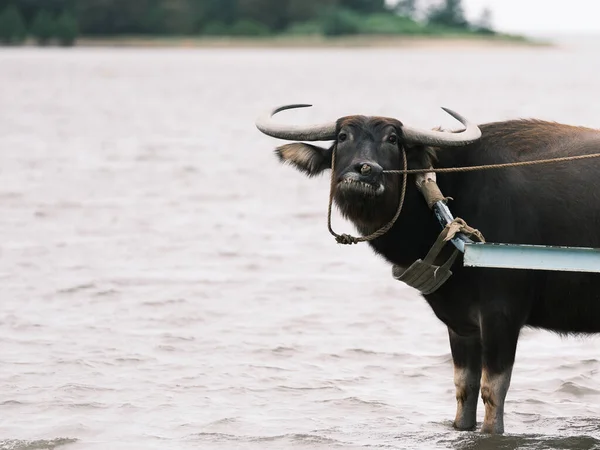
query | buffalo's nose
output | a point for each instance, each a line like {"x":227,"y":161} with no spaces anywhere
{"x":369,"y":170}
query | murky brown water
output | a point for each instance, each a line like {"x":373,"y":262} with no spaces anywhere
{"x":166,"y":284}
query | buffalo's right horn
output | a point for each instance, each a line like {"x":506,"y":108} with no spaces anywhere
{"x":323,"y":132}
{"x":442,"y":138}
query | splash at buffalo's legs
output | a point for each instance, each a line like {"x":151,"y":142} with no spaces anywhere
{"x":466,"y":356}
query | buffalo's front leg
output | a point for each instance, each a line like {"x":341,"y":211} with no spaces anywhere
{"x":466,"y":356}
{"x":499,"y":335}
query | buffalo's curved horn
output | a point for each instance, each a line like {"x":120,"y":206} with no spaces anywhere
{"x":441,"y":138}
{"x":322,"y":132}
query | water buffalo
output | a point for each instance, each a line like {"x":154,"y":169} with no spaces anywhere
{"x":484,"y":309}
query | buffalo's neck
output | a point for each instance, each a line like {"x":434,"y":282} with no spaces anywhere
{"x":413,"y":234}
{"x":417,"y":228}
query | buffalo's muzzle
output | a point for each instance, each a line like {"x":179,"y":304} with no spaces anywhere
{"x":364,"y":178}
{"x":369,"y":172}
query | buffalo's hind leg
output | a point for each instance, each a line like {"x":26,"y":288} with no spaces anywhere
{"x":499,"y":336}
{"x":466,"y":356}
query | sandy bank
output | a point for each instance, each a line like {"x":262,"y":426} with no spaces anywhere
{"x":313,"y":42}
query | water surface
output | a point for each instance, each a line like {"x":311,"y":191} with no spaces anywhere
{"x":166,"y":283}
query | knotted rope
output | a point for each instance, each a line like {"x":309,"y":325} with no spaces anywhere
{"x":458,"y":225}
{"x":348,"y":239}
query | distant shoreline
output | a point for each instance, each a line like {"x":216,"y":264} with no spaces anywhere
{"x":357,"y":41}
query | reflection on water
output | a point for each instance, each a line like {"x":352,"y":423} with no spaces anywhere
{"x":167,"y":284}
{"x":522,"y":442}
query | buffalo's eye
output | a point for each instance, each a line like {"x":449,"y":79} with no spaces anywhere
{"x":393,"y":139}
{"x":342,"y":137}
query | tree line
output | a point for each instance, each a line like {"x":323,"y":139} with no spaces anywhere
{"x":64,"y":20}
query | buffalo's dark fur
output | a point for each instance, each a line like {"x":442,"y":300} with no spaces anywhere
{"x":551,"y":204}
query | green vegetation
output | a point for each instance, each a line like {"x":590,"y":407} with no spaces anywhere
{"x":63,"y":21}
{"x":12,"y":26}
{"x":42,"y":27}
{"x":449,"y":14}
{"x":46,"y":21}
{"x":66,"y":29}
{"x":340,"y":22}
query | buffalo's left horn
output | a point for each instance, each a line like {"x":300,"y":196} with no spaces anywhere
{"x":323,"y":132}
{"x":441,"y":138}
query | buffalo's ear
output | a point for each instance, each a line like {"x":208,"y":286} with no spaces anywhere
{"x":310,"y":159}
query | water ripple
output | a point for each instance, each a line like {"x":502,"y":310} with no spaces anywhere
{"x":43,"y":444}
{"x":161,"y":270}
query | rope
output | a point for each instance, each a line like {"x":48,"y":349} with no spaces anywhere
{"x":348,"y":239}
{"x":458,"y":225}
{"x":495,"y":166}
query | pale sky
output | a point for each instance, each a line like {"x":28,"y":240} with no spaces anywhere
{"x":539,"y":16}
